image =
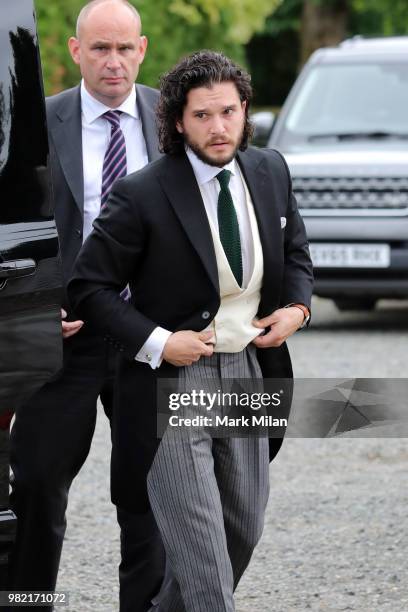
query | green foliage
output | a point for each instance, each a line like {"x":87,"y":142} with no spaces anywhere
{"x":379,"y":17}
{"x":286,"y":18}
{"x":182,"y":26}
{"x":178,"y":27}
{"x":274,"y":53}
{"x":174,"y":28}
{"x":56,"y":21}
{"x":366,"y":17}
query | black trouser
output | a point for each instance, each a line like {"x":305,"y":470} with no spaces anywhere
{"x":50,"y":441}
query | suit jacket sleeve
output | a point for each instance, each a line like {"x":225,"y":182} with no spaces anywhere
{"x":103,"y":268}
{"x":298,"y":269}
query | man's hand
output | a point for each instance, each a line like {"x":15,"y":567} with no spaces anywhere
{"x":69,"y":329}
{"x":283,"y":323}
{"x":185,"y":347}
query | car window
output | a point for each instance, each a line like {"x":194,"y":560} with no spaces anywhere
{"x":350,"y":98}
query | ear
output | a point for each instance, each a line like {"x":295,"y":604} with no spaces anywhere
{"x":142,"y":48}
{"x":244,"y":105}
{"x":179,"y":127}
{"x":74,"y":49}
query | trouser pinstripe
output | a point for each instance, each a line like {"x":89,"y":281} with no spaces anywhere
{"x":208,"y":497}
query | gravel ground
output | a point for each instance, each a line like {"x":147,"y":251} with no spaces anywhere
{"x":335,"y":536}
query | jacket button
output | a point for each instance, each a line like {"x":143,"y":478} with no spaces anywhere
{"x":206,"y":315}
{"x":78,"y":233}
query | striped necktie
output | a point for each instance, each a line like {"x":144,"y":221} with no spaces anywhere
{"x":114,"y":163}
{"x":228,"y":226}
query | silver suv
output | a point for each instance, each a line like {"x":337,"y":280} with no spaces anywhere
{"x":344,"y":133}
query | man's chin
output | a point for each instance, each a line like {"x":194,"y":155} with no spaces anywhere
{"x":219,"y":160}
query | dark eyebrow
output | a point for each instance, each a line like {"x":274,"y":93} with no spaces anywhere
{"x":105,"y":43}
{"x":205,"y":110}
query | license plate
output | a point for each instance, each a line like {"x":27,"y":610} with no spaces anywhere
{"x":332,"y":255}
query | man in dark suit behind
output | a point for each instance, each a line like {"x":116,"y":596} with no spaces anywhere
{"x":220,"y":275}
{"x":52,"y":434}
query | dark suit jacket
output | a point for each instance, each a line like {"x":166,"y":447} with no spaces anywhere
{"x":65,"y":138}
{"x":154,"y":234}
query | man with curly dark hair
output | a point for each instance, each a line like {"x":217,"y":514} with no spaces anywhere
{"x":199,"y":70}
{"x":210,"y":240}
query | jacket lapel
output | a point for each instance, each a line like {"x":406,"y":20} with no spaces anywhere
{"x":179,"y":183}
{"x":66,"y":131}
{"x":148,"y":117}
{"x":261,"y":188}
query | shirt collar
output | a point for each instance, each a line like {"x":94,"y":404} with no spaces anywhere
{"x":93,"y":109}
{"x":204,"y":172}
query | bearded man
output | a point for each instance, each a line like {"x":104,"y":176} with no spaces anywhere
{"x":211,"y":243}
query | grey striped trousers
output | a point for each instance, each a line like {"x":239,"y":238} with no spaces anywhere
{"x":209,"y":498}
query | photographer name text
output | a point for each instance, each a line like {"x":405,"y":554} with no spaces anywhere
{"x":226,"y":421}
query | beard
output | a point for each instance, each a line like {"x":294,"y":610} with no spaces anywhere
{"x":208,"y":159}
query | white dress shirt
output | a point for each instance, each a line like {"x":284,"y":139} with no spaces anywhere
{"x":96,"y":133}
{"x":151,"y":352}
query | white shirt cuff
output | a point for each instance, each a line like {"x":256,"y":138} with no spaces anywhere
{"x":152,"y":350}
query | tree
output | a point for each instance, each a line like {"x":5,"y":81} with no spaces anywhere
{"x":56,"y":23}
{"x":379,"y":17}
{"x":273,"y":54}
{"x":174,"y":28}
{"x":182,"y":26}
{"x":324,"y":24}
{"x":327,"y":22}
{"x":298,"y":27}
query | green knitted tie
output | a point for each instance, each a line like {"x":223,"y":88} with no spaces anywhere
{"x":228,"y":226}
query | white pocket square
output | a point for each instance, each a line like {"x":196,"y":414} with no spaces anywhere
{"x":283,"y":222}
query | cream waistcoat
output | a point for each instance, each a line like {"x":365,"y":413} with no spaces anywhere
{"x":232,"y":326}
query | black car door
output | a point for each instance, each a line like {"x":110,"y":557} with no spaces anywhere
{"x":30,"y":322}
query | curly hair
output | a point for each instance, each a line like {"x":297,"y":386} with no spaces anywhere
{"x":201,"y":69}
